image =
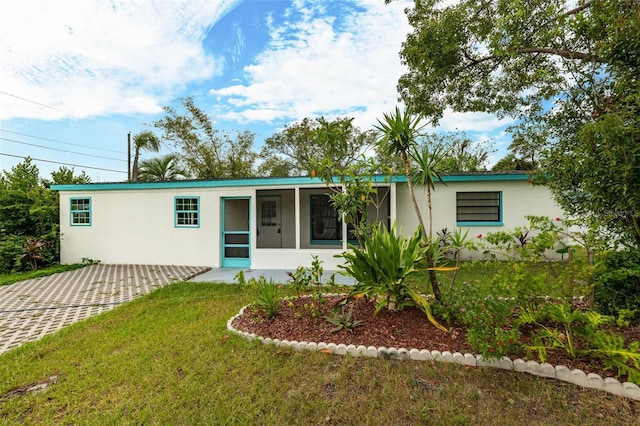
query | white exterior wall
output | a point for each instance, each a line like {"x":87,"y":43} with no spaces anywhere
{"x":519,"y":199}
{"x":136,"y":226}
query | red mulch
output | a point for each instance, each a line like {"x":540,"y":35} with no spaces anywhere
{"x":408,"y":328}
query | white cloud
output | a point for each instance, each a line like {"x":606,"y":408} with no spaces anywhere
{"x":86,"y":58}
{"x":318,"y":64}
{"x":472,"y":121}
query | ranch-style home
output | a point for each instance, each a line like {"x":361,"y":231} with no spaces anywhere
{"x":271,"y":223}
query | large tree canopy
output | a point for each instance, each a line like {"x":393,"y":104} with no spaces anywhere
{"x":291,"y":151}
{"x":567,"y":71}
{"x":206,"y":152}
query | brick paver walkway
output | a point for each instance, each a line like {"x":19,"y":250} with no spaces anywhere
{"x":31,"y":309}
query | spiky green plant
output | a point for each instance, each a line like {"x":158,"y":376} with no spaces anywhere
{"x":381,"y":267}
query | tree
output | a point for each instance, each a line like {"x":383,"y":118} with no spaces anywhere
{"x":206,"y":152}
{"x":510,"y":162}
{"x":29,"y":215}
{"x":462,"y":154}
{"x":66,"y":176}
{"x":354,"y":193}
{"x":291,"y":151}
{"x":427,"y":170}
{"x":20,"y":188}
{"x":397,"y":135}
{"x":567,"y":73}
{"x":161,"y":169}
{"x":143,"y":141}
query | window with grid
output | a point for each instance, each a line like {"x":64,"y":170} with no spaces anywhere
{"x":187,"y":212}
{"x":483,"y":207}
{"x":80,"y":211}
{"x":325,"y":222}
{"x":269,"y":213}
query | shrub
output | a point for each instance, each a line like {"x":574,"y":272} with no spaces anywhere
{"x":11,"y":249}
{"x":617,"y":282}
{"x":488,"y":320}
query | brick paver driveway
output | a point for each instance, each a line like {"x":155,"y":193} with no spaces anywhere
{"x":31,"y":309}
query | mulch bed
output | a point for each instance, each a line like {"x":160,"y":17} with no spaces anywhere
{"x":302,"y":319}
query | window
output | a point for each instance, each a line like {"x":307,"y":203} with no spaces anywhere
{"x":325,"y":222}
{"x":187,"y":212}
{"x":269,"y":213}
{"x":80,"y":211}
{"x":479,"y":208}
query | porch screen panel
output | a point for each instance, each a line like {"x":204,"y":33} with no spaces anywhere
{"x":325,"y":222}
{"x":478,"y":207}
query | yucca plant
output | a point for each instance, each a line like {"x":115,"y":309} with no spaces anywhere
{"x":381,"y":266}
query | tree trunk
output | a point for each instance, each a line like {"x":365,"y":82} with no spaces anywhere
{"x":433,"y":279}
{"x":407,"y":172}
{"x":429,"y":211}
{"x":134,"y":172}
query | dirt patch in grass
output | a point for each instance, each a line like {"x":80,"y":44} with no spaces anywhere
{"x":303,"y":320}
{"x":40,"y":386}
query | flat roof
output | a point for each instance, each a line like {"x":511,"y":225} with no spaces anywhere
{"x":281,"y":181}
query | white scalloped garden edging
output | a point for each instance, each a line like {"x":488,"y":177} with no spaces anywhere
{"x":559,"y":372}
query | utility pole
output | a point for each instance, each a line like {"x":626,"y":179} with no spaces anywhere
{"x":129,"y":156}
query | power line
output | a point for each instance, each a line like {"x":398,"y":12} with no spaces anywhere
{"x":64,"y":164}
{"x":28,"y":100}
{"x":62,"y":150}
{"x":65,"y":143}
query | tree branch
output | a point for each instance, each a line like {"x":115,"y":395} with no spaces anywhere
{"x":568,"y":54}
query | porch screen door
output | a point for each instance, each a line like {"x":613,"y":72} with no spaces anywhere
{"x":236,"y":233}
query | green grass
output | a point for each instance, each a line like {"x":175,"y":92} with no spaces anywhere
{"x":165,"y":359}
{"x":6,"y":279}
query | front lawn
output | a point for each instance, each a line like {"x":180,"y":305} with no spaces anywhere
{"x":167,"y":358}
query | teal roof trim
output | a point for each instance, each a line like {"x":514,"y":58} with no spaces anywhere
{"x":261,"y":182}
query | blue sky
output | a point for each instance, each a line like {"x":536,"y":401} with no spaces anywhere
{"x":77,"y":76}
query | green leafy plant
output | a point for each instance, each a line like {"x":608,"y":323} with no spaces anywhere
{"x":240,"y":279}
{"x":613,"y":352}
{"x":305,"y":276}
{"x":381,"y":267}
{"x":578,"y":333}
{"x":312,"y":309}
{"x":343,"y":320}
{"x":488,"y":320}
{"x":618,"y":282}
{"x":268,"y":297}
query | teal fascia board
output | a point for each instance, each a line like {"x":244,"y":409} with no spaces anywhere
{"x":250,"y":182}
{"x":261,"y":182}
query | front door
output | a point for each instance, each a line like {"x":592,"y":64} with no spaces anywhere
{"x":236,"y":233}
{"x":269,"y":222}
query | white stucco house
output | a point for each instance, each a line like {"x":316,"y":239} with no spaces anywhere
{"x":270,"y":223}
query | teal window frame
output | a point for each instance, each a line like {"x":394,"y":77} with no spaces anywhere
{"x":77,"y":211}
{"x":498,"y":222}
{"x":185,"y":212}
